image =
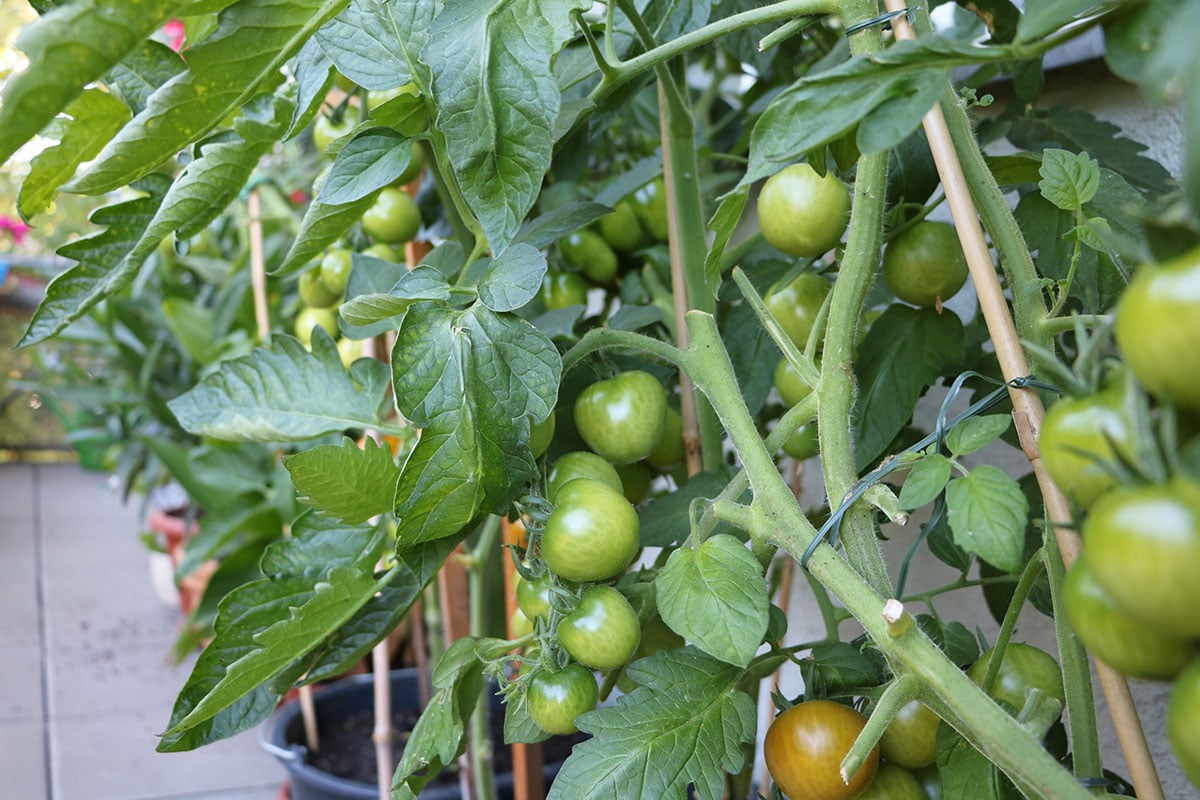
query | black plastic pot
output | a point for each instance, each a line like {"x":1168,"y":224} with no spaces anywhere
{"x":282,"y":733}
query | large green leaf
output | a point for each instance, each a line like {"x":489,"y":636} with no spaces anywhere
{"x":715,"y":597}
{"x":141,"y":72}
{"x":253,"y":40}
{"x":95,"y":116}
{"x":315,"y":582}
{"x":1043,"y":18}
{"x":321,"y":227}
{"x":350,"y":483}
{"x":373,"y":159}
{"x":686,"y":724}
{"x":497,"y":104}
{"x":902,"y":354}
{"x":100,"y":256}
{"x":283,"y":395}
{"x":987,"y":513}
{"x":377,"y":44}
{"x":67,"y":49}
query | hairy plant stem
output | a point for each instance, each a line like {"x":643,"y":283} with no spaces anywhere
{"x":481,"y":744}
{"x":782,"y":523}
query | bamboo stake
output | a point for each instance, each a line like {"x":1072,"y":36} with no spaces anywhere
{"x":1027,"y":410}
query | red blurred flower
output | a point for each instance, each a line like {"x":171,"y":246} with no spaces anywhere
{"x":175,"y":33}
{"x":298,"y":197}
{"x":15,"y":227}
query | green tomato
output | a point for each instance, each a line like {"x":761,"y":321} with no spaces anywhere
{"x":1183,"y":721}
{"x":1113,"y":635}
{"x":518,"y":624}
{"x":804,"y":748}
{"x":592,"y":534}
{"x":326,"y":131}
{"x":791,"y":386}
{"x":1158,"y":326}
{"x":335,"y":270}
{"x":1024,"y":667}
{"x":416,"y":163}
{"x":588,"y":251}
{"x":602,"y":631}
{"x":314,"y":292}
{"x":309,"y":318}
{"x":796,"y":305}
{"x":533,"y":596}
{"x":804,"y":443}
{"x":377,"y":97}
{"x":556,"y":699}
{"x":349,"y":350}
{"x":669,"y":451}
{"x":541,"y":434}
{"x":802,"y":213}
{"x":621,"y":228}
{"x":563,"y":290}
{"x":635,"y":481}
{"x":1143,"y":544}
{"x":925,"y":265}
{"x":393,"y":218}
{"x":384,"y":252}
{"x":650,"y":204}
{"x":622,"y":418}
{"x":581,"y":464}
{"x":893,"y":782}
{"x":1077,"y":440}
{"x":910,"y":739}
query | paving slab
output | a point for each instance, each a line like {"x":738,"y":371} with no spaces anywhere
{"x":23,"y":759}
{"x":20,"y":684}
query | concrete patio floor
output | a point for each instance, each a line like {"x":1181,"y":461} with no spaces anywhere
{"x":85,"y":686}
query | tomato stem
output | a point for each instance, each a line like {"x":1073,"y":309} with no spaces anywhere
{"x":895,"y":696}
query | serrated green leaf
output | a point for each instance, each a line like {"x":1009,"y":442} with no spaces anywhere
{"x":314,"y":78}
{"x":95,"y":117}
{"x":952,"y":638}
{"x":138,"y":74}
{"x":976,"y":433}
{"x":558,"y":222}
{"x":100,"y":256}
{"x":925,"y":482}
{"x":716,"y":598}
{"x":1068,"y":179}
{"x":377,"y":44}
{"x":902,"y":354}
{"x":315,"y":582}
{"x":254,"y":39}
{"x":665,"y":521}
{"x":966,"y":773}
{"x":518,"y":725}
{"x":513,"y":278}
{"x":686,"y":724}
{"x":497,"y":106}
{"x":322,"y":226}
{"x":67,"y":49}
{"x":987,"y":513}
{"x":350,"y":483}
{"x":283,"y":395}
{"x":229,"y":530}
{"x":373,"y":159}
{"x":839,"y":666}
{"x":1044,"y":18}
{"x":723,"y":225}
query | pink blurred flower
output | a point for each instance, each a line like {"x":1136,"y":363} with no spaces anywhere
{"x":15,"y":227}
{"x":175,"y":33}
{"x":298,"y":197}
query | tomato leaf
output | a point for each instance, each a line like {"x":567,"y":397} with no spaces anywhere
{"x":966,"y":773}
{"x":68,"y":48}
{"x":314,"y":78}
{"x":347,"y":482}
{"x":902,"y":354}
{"x":723,"y":225}
{"x":138,"y":74}
{"x":715,"y":597}
{"x":379,"y":292}
{"x":687,"y":713}
{"x":97,"y":274}
{"x":632,"y":318}
{"x":925,"y":481}
{"x":373,"y":159}
{"x":321,"y":227}
{"x":497,"y":106}
{"x":376,"y":44}
{"x":838,"y":666}
{"x":1068,"y":179}
{"x":1041,"y":19}
{"x":952,"y":638}
{"x":976,"y":433}
{"x":753,"y":353}
{"x":988,"y":512}
{"x":518,"y":725}
{"x":251,"y":519}
{"x":284,"y":395}
{"x":665,"y":521}
{"x":547,"y":229}
{"x":95,"y":117}
{"x":513,"y":278}
{"x":242,"y":56}
{"x":315,"y":582}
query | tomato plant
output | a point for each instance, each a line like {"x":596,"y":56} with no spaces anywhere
{"x":910,"y":739}
{"x":314,"y":292}
{"x":1183,"y":716}
{"x":805,"y":746}
{"x":925,"y":264}
{"x":533,"y":596}
{"x":335,"y":270}
{"x":308,"y":319}
{"x":1081,"y":441}
{"x":796,"y":305}
{"x":669,"y":450}
{"x":563,"y":289}
{"x":326,"y":131}
{"x":803,"y":213}
{"x":1023,"y":667}
{"x":592,"y":535}
{"x":556,"y":699}
{"x":602,"y":631}
{"x":393,"y":217}
{"x":892,"y":782}
{"x":622,"y":418}
{"x":581,"y":464}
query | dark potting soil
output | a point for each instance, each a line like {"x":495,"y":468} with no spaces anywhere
{"x":348,"y":751}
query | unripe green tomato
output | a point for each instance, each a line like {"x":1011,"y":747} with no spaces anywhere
{"x":350,"y":350}
{"x":622,"y":418}
{"x":1158,"y":325}
{"x":670,"y":450}
{"x":326,"y":131}
{"x":588,"y":251}
{"x":1024,"y":667}
{"x":309,"y":318}
{"x":621,"y":228}
{"x":581,"y":464}
{"x":925,"y":265}
{"x":1183,"y":721}
{"x":802,"y":213}
{"x":910,"y":739}
{"x":1082,"y":439}
{"x":893,"y":782}
{"x":635,"y":481}
{"x":791,"y":386}
{"x":601,"y":632}
{"x":518,"y":624}
{"x":1114,"y":636}
{"x":314,"y":292}
{"x":335,"y":270}
{"x":416,"y":163}
{"x":533,"y":596}
{"x":797,"y":305}
{"x":343,"y":83}
{"x":592,"y":534}
{"x":804,"y":443}
{"x":563,"y":290}
{"x":541,"y":434}
{"x":384,"y":252}
{"x":557,"y":699}
{"x":650,"y":203}
{"x":377,"y":97}
{"x":393,"y":218}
